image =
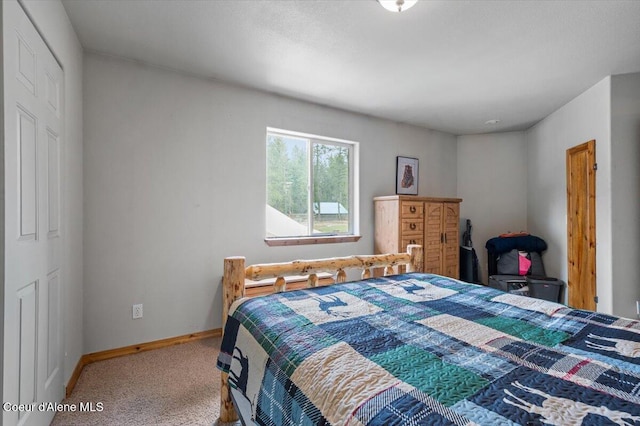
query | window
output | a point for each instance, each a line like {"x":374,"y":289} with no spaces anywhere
{"x":311,"y":187}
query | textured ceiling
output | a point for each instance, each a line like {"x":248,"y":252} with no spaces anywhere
{"x":445,"y":65}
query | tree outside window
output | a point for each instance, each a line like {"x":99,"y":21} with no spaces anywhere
{"x":309,"y":186}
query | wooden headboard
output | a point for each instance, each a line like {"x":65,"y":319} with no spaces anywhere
{"x":236,"y":274}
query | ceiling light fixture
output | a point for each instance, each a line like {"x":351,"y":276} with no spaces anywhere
{"x":493,"y":121}
{"x":397,"y":5}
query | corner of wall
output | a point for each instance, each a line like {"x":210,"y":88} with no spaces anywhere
{"x":584,"y":118}
{"x":625,"y":187}
{"x":480,"y":170}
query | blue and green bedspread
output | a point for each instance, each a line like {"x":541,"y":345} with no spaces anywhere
{"x":421,"y":349}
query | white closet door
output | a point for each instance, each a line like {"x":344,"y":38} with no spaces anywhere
{"x":33,"y":143}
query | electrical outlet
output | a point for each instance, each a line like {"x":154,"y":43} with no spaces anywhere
{"x":137,"y":311}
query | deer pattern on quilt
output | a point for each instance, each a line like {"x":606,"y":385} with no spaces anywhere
{"x":328,"y":303}
{"x":554,"y":409}
{"x":410,"y":287}
{"x":622,"y":347}
{"x":240,"y":381}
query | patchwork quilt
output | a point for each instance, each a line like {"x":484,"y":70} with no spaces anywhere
{"x":422,"y":349}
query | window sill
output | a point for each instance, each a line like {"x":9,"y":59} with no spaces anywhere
{"x":299,"y":241}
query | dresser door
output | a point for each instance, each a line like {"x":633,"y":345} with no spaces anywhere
{"x":433,"y":238}
{"x":451,"y":251}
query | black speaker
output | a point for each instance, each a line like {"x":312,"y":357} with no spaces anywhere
{"x":469,"y":265}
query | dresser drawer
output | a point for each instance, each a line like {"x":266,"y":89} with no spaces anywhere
{"x":412,"y":210}
{"x":411,"y":240}
{"x":411,"y":227}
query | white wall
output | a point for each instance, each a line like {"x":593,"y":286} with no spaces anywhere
{"x":174,"y":182}
{"x":625,"y":191}
{"x":51,"y":20}
{"x":584,"y":118}
{"x":492,"y":181}
{"x":2,"y":196}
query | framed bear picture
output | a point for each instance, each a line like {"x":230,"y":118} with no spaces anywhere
{"x":407,"y":176}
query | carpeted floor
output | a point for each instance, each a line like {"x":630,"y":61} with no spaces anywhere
{"x":178,"y":385}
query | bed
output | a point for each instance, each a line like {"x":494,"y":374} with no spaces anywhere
{"x":415,"y":348}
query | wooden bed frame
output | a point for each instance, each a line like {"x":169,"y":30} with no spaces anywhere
{"x":236,"y":274}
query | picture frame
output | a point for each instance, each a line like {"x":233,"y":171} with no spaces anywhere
{"x":406,"y":175}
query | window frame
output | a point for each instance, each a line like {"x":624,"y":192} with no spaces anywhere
{"x":352,"y":234}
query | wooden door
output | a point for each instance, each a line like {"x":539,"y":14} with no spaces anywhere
{"x":433,"y":238}
{"x":581,"y":225}
{"x":33,"y":139}
{"x":451,"y":230}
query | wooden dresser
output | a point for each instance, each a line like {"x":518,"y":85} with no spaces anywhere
{"x":431,"y":222}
